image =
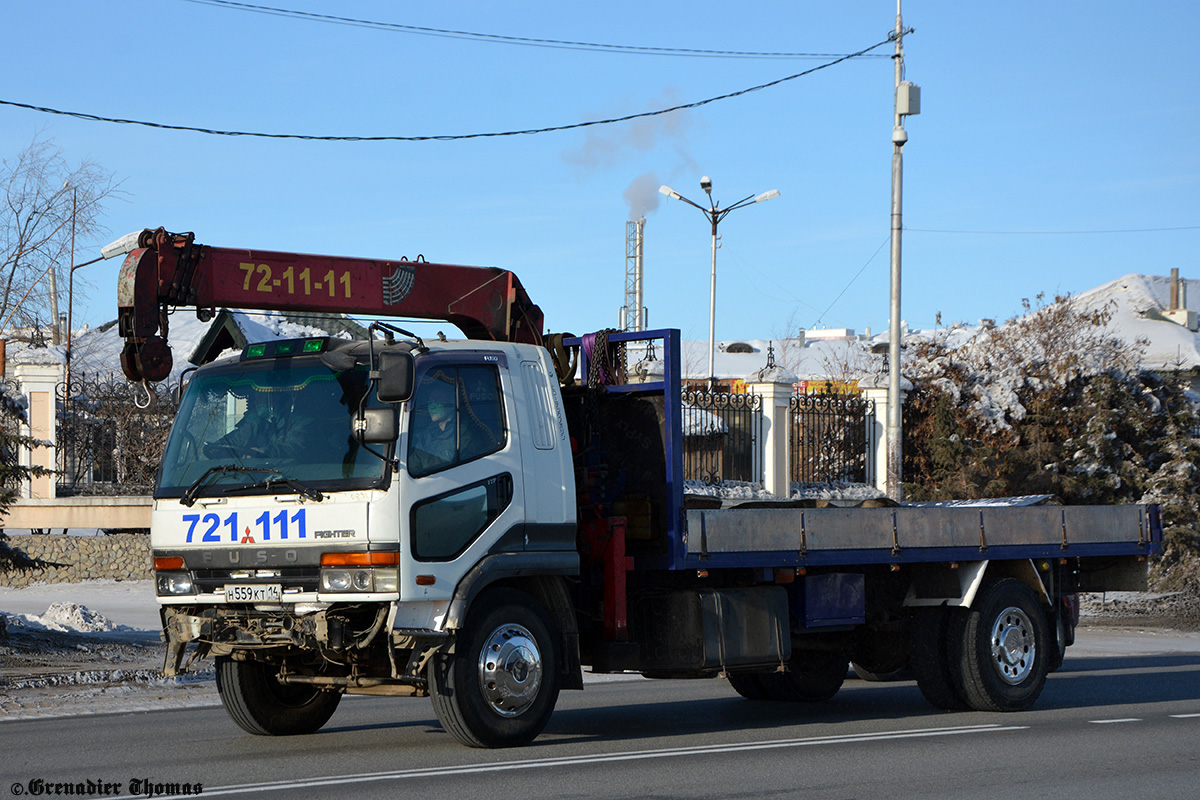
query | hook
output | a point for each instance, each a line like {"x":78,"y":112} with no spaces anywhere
{"x":149,"y":396}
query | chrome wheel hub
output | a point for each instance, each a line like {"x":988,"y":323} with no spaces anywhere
{"x":510,"y":670}
{"x":1014,"y":648}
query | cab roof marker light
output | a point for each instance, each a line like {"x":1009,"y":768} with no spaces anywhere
{"x":286,"y":347}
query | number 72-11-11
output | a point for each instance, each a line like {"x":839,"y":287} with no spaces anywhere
{"x":289,"y":278}
{"x":216,"y":529}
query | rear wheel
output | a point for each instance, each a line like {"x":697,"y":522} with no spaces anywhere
{"x":1006,"y":649}
{"x":812,"y":676}
{"x":748,"y":684}
{"x":261,"y":705}
{"x":499,"y":686}
{"x":932,"y":646}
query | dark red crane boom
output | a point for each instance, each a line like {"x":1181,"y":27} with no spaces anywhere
{"x":171,"y":269}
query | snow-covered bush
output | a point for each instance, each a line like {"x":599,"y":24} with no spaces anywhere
{"x":1051,"y":403}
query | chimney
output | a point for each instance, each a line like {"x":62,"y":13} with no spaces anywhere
{"x":1178,"y":312}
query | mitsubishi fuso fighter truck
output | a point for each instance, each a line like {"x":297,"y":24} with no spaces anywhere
{"x":469,"y":521}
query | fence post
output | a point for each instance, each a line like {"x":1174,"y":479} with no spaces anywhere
{"x":38,"y":383}
{"x":774,"y":385}
{"x":874,"y":387}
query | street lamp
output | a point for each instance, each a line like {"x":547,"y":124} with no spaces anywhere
{"x":126,"y":244}
{"x":715,"y":214}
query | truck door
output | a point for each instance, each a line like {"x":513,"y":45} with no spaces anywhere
{"x":462,"y":486}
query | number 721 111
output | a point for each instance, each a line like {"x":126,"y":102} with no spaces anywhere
{"x":212,"y":528}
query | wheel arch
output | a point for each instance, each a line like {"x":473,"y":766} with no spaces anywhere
{"x":958,"y":584}
{"x":540,"y":575}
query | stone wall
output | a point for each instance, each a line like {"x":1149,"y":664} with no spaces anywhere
{"x":122,"y":556}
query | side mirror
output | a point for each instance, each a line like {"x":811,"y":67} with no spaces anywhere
{"x":395,"y":376}
{"x":377,"y":426}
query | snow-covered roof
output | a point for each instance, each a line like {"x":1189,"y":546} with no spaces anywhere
{"x":98,"y":351}
{"x":1139,"y":303}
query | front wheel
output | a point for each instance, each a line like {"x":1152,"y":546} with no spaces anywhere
{"x":499,"y":686}
{"x":1006,"y":649}
{"x":260,"y":704}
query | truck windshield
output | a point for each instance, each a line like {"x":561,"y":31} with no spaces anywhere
{"x":290,"y":416}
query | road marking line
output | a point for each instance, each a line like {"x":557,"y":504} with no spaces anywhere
{"x":599,"y":758}
{"x":1184,"y":716}
{"x":1113,"y":721}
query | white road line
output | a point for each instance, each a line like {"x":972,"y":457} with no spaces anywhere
{"x":1112,"y":721}
{"x":1184,"y":716}
{"x":599,"y":758}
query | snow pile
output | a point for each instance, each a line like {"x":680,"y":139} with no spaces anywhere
{"x":741,"y":490}
{"x":728,"y":490}
{"x":72,"y":616}
{"x":836,"y":490}
{"x":66,"y":617}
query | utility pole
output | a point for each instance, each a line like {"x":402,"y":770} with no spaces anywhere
{"x":907,"y":103}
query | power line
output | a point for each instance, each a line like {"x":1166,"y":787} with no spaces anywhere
{"x":439,"y":137}
{"x":1054,"y":233}
{"x":393,"y":27}
{"x":852,"y":280}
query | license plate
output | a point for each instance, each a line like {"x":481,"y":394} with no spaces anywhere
{"x":272,"y":592}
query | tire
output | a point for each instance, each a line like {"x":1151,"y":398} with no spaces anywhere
{"x":1058,"y":652}
{"x":903,"y":673}
{"x":881,"y":656}
{"x":812,"y":676}
{"x":748,"y":685}
{"x":499,"y":686}
{"x":261,"y":705}
{"x":931,"y":649}
{"x":1006,"y":648}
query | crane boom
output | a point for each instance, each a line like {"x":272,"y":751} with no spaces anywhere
{"x":170,"y":270}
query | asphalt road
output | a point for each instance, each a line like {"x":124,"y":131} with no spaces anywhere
{"x":1116,"y":726}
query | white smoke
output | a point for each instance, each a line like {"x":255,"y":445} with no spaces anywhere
{"x":642,"y":196}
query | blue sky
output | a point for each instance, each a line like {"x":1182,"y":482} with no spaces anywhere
{"x":1045,"y":128}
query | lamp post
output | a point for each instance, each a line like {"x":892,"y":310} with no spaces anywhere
{"x":715,"y":214}
{"x":907,"y":103}
{"x":126,"y":244}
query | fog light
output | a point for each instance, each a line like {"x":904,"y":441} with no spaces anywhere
{"x":387,"y":580}
{"x":174,"y":583}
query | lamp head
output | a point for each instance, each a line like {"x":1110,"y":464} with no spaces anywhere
{"x":706,"y":184}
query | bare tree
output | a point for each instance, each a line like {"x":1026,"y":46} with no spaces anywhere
{"x":46,"y":201}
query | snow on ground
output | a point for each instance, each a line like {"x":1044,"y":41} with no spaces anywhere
{"x":88,"y":648}
{"x":128,"y":605}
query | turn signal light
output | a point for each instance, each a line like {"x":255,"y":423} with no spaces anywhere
{"x":374,"y":559}
{"x":163,"y":563}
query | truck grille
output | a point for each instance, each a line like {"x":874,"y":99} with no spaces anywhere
{"x":300,"y":579}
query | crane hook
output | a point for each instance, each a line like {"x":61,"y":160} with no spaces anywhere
{"x":149,"y":396}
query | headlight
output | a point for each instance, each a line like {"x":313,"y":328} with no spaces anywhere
{"x":364,"y":579}
{"x":174,"y":583}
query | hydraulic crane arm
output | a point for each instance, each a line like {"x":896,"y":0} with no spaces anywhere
{"x":170,"y":269}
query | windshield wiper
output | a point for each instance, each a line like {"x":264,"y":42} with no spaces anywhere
{"x":293,"y":484}
{"x":189,"y":496}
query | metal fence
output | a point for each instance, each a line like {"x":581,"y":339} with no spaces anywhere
{"x":721,"y":437}
{"x":831,"y":437}
{"x":107,"y":443}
